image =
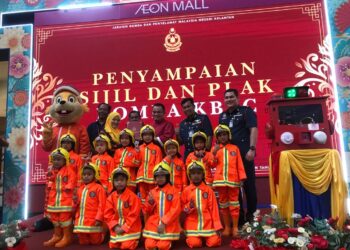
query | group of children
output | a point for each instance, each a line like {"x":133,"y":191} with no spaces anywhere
{"x":89,"y":197}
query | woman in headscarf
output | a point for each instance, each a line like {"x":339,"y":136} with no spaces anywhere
{"x":112,"y":130}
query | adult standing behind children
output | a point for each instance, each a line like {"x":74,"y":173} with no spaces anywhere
{"x":164,"y":129}
{"x":193,"y":123}
{"x":95,"y":128}
{"x":112,"y":129}
{"x":242,"y":122}
{"x":135,"y":124}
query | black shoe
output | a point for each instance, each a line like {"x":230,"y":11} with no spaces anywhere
{"x":42,"y":225}
{"x":241,"y":220}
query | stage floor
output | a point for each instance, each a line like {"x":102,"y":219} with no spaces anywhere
{"x":35,"y":242}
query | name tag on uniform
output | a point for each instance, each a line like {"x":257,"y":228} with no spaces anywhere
{"x":197,"y":121}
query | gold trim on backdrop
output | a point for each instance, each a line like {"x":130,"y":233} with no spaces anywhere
{"x":317,"y":170}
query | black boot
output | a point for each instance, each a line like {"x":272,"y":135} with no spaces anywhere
{"x":249,"y":217}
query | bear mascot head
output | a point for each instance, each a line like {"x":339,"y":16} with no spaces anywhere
{"x":66,"y":110}
{"x":66,"y":107}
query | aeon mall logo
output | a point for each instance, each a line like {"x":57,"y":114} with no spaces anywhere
{"x":168,"y":7}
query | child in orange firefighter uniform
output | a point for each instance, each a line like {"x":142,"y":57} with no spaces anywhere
{"x":199,"y":141}
{"x":122,"y":213}
{"x":151,"y":155}
{"x":163,"y":207}
{"x":200,"y":206}
{"x":228,"y":177}
{"x":60,"y":201}
{"x":90,"y":207}
{"x":174,"y":160}
{"x":68,"y":141}
{"x":126,"y":156}
{"x":102,"y":159}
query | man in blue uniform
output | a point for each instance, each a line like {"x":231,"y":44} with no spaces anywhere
{"x":243,"y":125}
{"x":193,"y":123}
{"x":95,"y":128}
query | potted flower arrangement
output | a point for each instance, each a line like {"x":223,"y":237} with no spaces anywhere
{"x":270,"y":231}
{"x":12,"y":235}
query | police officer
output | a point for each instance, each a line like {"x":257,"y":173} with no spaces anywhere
{"x":243,"y":125}
{"x":193,"y":123}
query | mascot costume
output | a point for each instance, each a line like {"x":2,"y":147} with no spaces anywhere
{"x":66,"y":110}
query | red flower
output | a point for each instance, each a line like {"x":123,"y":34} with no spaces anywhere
{"x":20,"y":98}
{"x":316,"y":239}
{"x":19,"y":65}
{"x":333,"y":222}
{"x":323,"y":244}
{"x":319,"y":242}
{"x":32,"y":2}
{"x":269,"y":221}
{"x":240,"y":244}
{"x":22,"y":226}
{"x":293,"y":231}
{"x":26,"y":40}
{"x":304,"y":221}
{"x":282,"y":233}
{"x":342,"y":70}
{"x":310,"y":246}
{"x":13,"y":197}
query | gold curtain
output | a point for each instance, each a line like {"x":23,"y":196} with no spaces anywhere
{"x":316,"y":169}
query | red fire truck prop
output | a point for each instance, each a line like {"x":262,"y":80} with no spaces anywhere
{"x":298,"y":121}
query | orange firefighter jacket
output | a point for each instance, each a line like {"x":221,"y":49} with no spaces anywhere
{"x":208,"y":161}
{"x":130,"y":159}
{"x":49,"y":178}
{"x":178,"y":172}
{"x":123,"y":210}
{"x":201,"y":209}
{"x":82,"y":145}
{"x":105,"y":164}
{"x":90,"y":208}
{"x":151,"y":155}
{"x":75,"y":162}
{"x":166,"y":208}
{"x":61,"y":186}
{"x":229,"y":167}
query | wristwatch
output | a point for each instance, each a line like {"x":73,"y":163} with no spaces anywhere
{"x":252,"y":148}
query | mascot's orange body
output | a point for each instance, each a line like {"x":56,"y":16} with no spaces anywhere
{"x":66,"y":110}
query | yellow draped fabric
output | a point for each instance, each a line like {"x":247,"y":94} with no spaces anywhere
{"x":113,"y":133}
{"x":316,"y":169}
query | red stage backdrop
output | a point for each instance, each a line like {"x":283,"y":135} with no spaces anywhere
{"x":132,"y":64}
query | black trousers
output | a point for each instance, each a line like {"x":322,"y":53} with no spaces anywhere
{"x":249,"y":190}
